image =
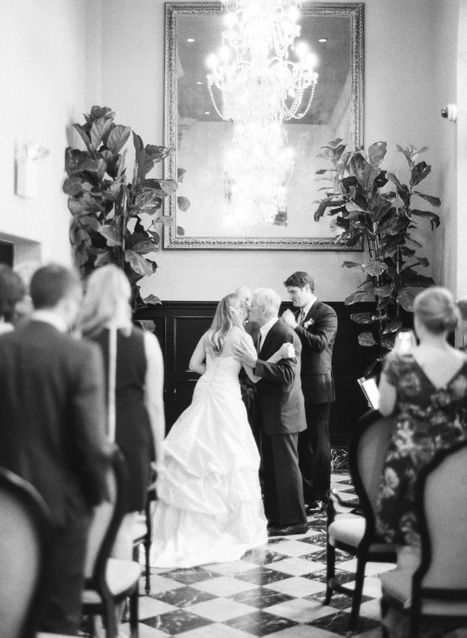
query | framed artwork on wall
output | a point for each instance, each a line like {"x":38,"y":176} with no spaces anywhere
{"x":230,"y":202}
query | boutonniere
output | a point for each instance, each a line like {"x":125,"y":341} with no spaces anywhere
{"x":308,"y":323}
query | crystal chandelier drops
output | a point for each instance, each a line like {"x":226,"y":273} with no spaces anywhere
{"x":254,"y":70}
{"x":264,"y":79}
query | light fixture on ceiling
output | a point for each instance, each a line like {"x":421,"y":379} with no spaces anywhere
{"x":261,"y":65}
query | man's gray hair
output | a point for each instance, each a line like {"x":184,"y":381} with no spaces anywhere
{"x":268,"y":299}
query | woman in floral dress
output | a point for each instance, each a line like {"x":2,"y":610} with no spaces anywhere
{"x":426,"y":389}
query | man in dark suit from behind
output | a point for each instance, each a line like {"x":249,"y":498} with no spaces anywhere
{"x":281,"y":415}
{"x":315,"y":323}
{"x":52,"y":431}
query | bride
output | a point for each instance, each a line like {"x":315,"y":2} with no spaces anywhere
{"x":209,"y":507}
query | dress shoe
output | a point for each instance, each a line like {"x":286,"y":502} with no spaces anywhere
{"x":288,"y":530}
{"x":316,"y":506}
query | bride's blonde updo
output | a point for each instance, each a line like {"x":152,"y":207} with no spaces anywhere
{"x":436,"y":310}
{"x":229,"y":313}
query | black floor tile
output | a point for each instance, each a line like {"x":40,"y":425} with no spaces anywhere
{"x":261,"y":597}
{"x":175,"y":622}
{"x":260,"y":623}
{"x":183,"y":596}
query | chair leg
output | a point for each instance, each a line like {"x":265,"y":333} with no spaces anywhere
{"x":134,"y":613}
{"x":109,"y":617}
{"x":384,"y":610}
{"x":147,"y":547}
{"x":357,"y":593}
{"x":330,"y":571}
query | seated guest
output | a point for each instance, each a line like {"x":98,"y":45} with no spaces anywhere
{"x":52,"y":429}
{"x":426,"y":389}
{"x":138,"y":378}
{"x":12,"y":291}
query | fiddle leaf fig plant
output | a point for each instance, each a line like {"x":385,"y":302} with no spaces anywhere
{"x":114,"y":219}
{"x":371,"y":205}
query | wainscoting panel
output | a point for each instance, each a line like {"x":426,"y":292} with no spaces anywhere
{"x":179,"y":325}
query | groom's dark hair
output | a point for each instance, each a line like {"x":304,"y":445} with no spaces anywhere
{"x":300,"y":279}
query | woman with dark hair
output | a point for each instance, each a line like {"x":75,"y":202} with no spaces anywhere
{"x":12,"y":291}
{"x":209,"y":508}
{"x":426,"y":389}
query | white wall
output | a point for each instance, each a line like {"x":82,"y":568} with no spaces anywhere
{"x":42,"y":49}
{"x":406,"y":84}
{"x":59,"y":57}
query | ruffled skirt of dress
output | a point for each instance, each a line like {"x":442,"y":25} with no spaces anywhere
{"x":209,"y":508}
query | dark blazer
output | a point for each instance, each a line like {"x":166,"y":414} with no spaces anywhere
{"x":52,"y":416}
{"x":280,"y":398}
{"x":317,"y":341}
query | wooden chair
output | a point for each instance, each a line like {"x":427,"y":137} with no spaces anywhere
{"x":25,"y":545}
{"x":110,"y":581}
{"x":355,"y":532}
{"x":437,"y":591}
{"x":143,"y":536}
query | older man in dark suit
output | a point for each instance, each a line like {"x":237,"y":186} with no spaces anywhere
{"x":52,"y":429}
{"x":281,"y":415}
{"x":315,"y":323}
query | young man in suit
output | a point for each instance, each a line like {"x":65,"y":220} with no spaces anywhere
{"x":315,"y":323}
{"x":53,"y":429}
{"x":280,"y":413}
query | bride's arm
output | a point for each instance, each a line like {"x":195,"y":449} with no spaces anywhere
{"x":198,"y":358}
{"x":286,"y":351}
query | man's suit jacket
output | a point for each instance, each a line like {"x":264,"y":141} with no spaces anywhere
{"x":317,"y":341}
{"x":280,"y":398}
{"x":52,"y":416}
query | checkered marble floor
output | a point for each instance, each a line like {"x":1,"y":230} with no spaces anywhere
{"x":275,"y":590}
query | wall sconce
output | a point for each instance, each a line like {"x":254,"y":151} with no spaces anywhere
{"x":27,"y":170}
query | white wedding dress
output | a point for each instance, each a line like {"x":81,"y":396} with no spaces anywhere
{"x":209,"y":507}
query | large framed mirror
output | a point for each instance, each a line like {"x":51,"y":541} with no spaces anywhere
{"x":202,"y":139}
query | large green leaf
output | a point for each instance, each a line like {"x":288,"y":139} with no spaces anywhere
{"x":84,"y":135}
{"x":374,"y":268}
{"x":77,"y":161}
{"x":434,"y":201}
{"x":362,"y":317}
{"x":143,"y":161}
{"x":157,"y":153}
{"x":85,"y":204}
{"x":139,"y":264}
{"x":383,"y":291}
{"x":367,"y":339}
{"x":98,"y":131}
{"x":376,"y":153}
{"x":357,"y":296}
{"x":393,"y":326}
{"x":117,"y":138}
{"x":111,"y":235}
{"x":432,"y":217}
{"x":405,"y":298}
{"x":90,"y":222}
{"x":144,"y":247}
{"x":419,"y":172}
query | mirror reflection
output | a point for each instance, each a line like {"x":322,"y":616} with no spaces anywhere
{"x":251,"y":156}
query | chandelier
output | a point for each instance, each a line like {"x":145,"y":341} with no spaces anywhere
{"x":265,"y":78}
{"x":254,"y":70}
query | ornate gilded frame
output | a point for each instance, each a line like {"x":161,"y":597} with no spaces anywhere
{"x":173,"y":235}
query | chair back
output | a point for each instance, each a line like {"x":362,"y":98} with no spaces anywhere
{"x":441,"y":499}
{"x":25,"y":544}
{"x":107,"y":518}
{"x":367,"y":453}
